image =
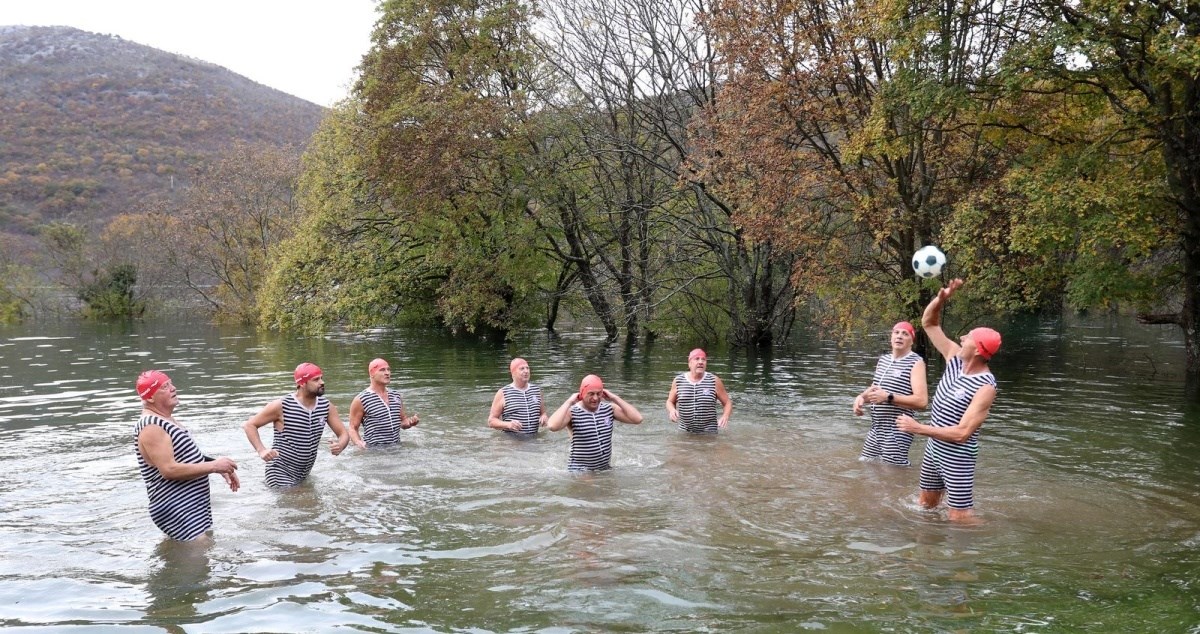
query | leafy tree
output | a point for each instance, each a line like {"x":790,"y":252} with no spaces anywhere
{"x":111,"y":294}
{"x":445,"y":95}
{"x":1143,"y":60}
{"x":847,"y":133}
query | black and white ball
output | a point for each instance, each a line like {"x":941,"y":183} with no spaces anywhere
{"x":928,"y":262}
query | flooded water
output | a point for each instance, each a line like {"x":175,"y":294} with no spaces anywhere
{"x":1089,"y":473}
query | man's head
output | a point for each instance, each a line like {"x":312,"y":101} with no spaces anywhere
{"x":379,"y":371}
{"x":986,"y":340}
{"x":697,"y":360}
{"x":309,"y":378}
{"x":155,"y":387}
{"x":519,"y":370}
{"x":903,"y":334}
{"x":591,"y":391}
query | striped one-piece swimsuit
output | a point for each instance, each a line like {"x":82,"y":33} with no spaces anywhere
{"x":591,"y":438}
{"x":181,"y":508}
{"x":381,"y":421}
{"x":885,"y":442}
{"x":697,"y":403}
{"x":946,"y":465}
{"x":523,"y":405}
{"x":297,"y":443}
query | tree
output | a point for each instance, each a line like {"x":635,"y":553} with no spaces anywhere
{"x":236,"y":209}
{"x":847,"y":132}
{"x":1143,"y":58}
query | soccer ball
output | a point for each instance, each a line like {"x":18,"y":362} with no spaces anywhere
{"x":928,"y":261}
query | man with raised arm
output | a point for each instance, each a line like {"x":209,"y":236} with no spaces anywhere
{"x":589,"y":414}
{"x":961,"y":403}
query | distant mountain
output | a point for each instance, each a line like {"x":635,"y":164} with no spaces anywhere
{"x":93,"y":125}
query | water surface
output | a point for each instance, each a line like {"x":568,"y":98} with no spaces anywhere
{"x":1089,"y":468}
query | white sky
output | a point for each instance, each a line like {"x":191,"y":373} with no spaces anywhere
{"x":306,"y":48}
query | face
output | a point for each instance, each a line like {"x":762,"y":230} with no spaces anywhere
{"x":901,"y":340}
{"x":520,"y":373}
{"x":969,"y":350}
{"x":698,"y":364}
{"x":315,"y":386}
{"x":591,"y":399}
{"x":382,"y":375}
{"x":165,"y":397}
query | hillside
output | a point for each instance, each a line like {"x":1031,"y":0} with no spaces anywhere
{"x":92,"y":125}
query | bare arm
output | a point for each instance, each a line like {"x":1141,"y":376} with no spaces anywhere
{"x":971,"y":421}
{"x":623,"y":411}
{"x":356,"y":418}
{"x":672,"y":400}
{"x":931,"y":320}
{"x":157,"y":450}
{"x":335,"y":425}
{"x":494,"y":416}
{"x":562,"y":416}
{"x":272,"y":413}
{"x":725,"y":401}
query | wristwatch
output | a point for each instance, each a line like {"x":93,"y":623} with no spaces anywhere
{"x":891,"y":397}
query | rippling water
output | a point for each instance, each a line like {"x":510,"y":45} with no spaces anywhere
{"x":1089,"y":469}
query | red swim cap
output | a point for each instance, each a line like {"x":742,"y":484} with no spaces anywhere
{"x":375,"y":366}
{"x":698,"y":352}
{"x":148,"y":383}
{"x":906,"y":327}
{"x":306,"y":372}
{"x":987,"y":341}
{"x":589,"y":383}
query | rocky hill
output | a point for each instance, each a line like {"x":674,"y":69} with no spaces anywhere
{"x":92,"y":125}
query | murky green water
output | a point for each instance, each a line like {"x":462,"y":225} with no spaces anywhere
{"x":1088,"y":485}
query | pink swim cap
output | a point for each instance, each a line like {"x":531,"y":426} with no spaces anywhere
{"x":306,"y":372}
{"x":375,"y":366}
{"x":590,"y":382}
{"x":148,"y":383}
{"x":906,"y":327}
{"x":698,"y":352}
{"x":987,"y":341}
{"x":512,"y":365}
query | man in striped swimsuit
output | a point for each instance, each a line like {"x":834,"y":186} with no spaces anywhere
{"x":298,"y":420}
{"x":961,"y":403}
{"x":589,"y":414}
{"x":377,"y":413}
{"x":898,"y":387}
{"x":172,"y":466}
{"x":692,"y":401}
{"x":518,"y":408}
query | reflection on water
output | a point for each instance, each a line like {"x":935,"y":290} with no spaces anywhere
{"x":1088,"y":470}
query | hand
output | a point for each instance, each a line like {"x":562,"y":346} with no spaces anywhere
{"x":858,"y":405}
{"x":945,"y":293}
{"x":908,"y":424}
{"x":673,"y":414}
{"x":542,"y":420}
{"x":268,"y":455}
{"x":723,"y":422}
{"x":223,"y":465}
{"x":336,"y":446}
{"x":361,"y":444}
{"x":514,"y":425}
{"x":232,"y":480}
{"x":411,"y":421}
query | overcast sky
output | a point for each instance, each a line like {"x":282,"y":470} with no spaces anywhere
{"x":307,"y":48}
